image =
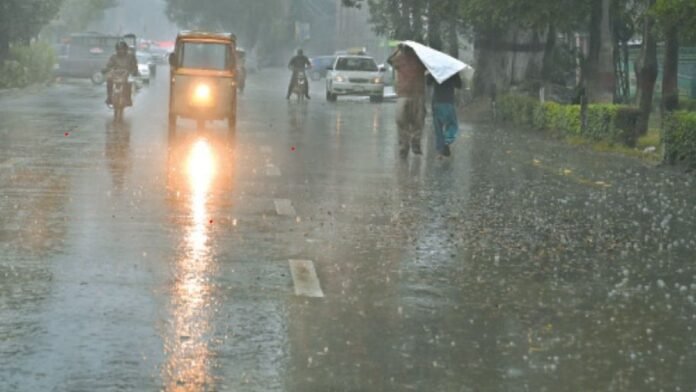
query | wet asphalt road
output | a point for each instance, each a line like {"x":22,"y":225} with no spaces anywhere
{"x":131,"y":260}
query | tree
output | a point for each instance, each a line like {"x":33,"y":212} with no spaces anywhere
{"x":79,"y":13}
{"x":21,"y":20}
{"x":677,"y":18}
{"x":647,"y":72}
{"x":516,"y":40}
{"x":267,"y":23}
{"x":624,"y":15}
{"x":599,"y":68}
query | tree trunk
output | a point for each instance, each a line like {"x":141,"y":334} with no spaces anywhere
{"x":4,"y":45}
{"x":417,"y":19}
{"x":452,"y":31}
{"x":505,"y":58}
{"x":489,"y":65}
{"x":601,"y":80}
{"x":548,"y":62}
{"x":434,"y":28}
{"x":403,"y":24}
{"x":647,"y":74}
{"x":626,"y":71}
{"x":670,"y":86}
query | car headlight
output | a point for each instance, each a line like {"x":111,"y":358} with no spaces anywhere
{"x":377,"y":80}
{"x":339,"y":79}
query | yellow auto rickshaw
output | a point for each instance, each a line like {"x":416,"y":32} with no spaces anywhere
{"x":203,"y":82}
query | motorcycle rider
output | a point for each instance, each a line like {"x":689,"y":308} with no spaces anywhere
{"x":298,"y":63}
{"x":124,"y":59}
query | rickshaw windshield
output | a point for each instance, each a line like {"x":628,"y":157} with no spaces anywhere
{"x":206,"y":55}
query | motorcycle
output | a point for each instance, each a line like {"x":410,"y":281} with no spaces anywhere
{"x":120,"y":94}
{"x":300,"y":87}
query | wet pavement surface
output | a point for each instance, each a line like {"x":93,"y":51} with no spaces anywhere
{"x":131,"y":259}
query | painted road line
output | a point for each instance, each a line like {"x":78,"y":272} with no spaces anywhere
{"x":10,"y":163}
{"x":266,"y":149}
{"x":272,"y":170}
{"x":305,"y":279}
{"x":284,"y":207}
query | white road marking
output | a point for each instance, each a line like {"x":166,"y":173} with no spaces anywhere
{"x":10,"y":163}
{"x":305,"y":279}
{"x":284,"y":207}
{"x":272,"y":170}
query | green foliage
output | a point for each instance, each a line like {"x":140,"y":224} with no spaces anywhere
{"x":497,"y":14}
{"x":27,"y":65}
{"x":687,"y":104}
{"x":600,"y":125}
{"x":13,"y":74}
{"x":680,"y":138}
{"x":79,"y":13}
{"x":605,"y":122}
{"x":517,"y":109}
{"x":562,"y":118}
{"x":21,"y":20}
{"x":268,"y":22}
{"x":626,"y":125}
{"x":679,"y":13}
{"x":38,"y":59}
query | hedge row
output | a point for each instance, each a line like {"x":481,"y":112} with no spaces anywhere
{"x":680,"y":138}
{"x":687,"y":104}
{"x":27,"y":65}
{"x":613,"y":123}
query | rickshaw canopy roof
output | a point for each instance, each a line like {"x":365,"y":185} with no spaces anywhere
{"x":203,"y":35}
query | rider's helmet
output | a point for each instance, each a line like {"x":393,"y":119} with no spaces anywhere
{"x":300,"y":52}
{"x":121,"y":46}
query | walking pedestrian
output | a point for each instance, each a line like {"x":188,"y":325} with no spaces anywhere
{"x":410,"y":89}
{"x":445,"y":112}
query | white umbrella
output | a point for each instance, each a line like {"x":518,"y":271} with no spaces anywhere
{"x":441,"y":65}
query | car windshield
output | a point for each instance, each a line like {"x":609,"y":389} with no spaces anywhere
{"x":356,"y":64}
{"x":322,"y":61}
{"x":206,"y":55}
{"x":143,"y":58}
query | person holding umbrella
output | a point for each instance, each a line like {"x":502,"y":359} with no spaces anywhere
{"x":444,"y":74}
{"x":445,"y":112}
{"x":410,"y":88}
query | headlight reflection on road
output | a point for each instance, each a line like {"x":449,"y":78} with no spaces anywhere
{"x":200,"y":170}
{"x":188,"y":365}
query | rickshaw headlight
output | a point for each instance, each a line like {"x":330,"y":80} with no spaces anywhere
{"x":202,"y":94}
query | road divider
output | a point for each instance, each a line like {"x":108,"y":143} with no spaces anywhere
{"x":284,"y":207}
{"x":305,"y":279}
{"x":272,"y":170}
{"x":266,"y":149}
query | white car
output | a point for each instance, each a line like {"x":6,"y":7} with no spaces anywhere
{"x":146,"y":66}
{"x":354,"y":75}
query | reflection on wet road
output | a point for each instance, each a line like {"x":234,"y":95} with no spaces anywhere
{"x":187,"y":352}
{"x":137,"y":259}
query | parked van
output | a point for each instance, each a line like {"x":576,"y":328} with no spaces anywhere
{"x":85,"y":54}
